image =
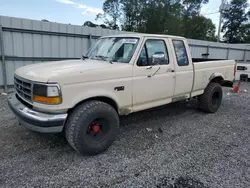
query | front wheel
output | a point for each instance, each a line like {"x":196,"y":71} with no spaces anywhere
{"x":92,"y":127}
{"x":210,"y":100}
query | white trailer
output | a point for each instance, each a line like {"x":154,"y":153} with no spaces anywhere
{"x":242,"y":71}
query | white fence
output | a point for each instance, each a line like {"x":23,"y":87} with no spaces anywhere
{"x":24,"y":41}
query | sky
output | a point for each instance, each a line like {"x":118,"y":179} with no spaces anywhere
{"x":75,"y":12}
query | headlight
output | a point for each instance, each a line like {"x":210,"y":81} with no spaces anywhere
{"x":48,"y":94}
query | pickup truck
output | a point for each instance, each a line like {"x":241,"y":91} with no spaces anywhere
{"x":119,"y":75}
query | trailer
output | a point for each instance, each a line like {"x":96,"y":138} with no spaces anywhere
{"x":242,"y":72}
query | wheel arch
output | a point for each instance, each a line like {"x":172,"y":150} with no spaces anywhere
{"x":218,"y":78}
{"x":104,"y":99}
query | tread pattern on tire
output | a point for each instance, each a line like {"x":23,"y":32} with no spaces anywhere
{"x":204,"y":99}
{"x":72,"y":128}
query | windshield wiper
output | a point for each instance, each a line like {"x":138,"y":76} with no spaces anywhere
{"x":85,"y":57}
{"x":104,"y":58}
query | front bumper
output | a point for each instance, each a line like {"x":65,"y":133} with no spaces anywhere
{"x":34,"y":120}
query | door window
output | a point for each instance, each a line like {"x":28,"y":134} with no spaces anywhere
{"x":154,"y":52}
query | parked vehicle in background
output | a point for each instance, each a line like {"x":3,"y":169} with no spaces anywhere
{"x":242,"y":71}
{"x":119,"y":75}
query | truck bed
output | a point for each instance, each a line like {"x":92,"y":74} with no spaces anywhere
{"x":205,"y":71}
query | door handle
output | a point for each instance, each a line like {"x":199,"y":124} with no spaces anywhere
{"x":149,"y":67}
{"x":172,"y":70}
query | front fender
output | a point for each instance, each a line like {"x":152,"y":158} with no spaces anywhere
{"x":95,"y":93}
{"x":75,"y":94}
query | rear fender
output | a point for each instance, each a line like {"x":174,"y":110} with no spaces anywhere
{"x":216,"y":76}
{"x":219,"y":78}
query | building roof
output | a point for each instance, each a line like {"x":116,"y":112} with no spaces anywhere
{"x":144,"y":35}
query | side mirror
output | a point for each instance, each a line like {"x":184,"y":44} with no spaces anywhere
{"x":158,"y":58}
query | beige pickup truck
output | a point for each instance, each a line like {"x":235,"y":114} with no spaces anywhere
{"x":119,"y":75}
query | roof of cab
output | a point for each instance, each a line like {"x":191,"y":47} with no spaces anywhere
{"x":144,"y":35}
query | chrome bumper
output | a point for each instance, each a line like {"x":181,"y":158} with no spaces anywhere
{"x":34,"y":120}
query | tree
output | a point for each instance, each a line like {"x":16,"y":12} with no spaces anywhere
{"x":132,"y":15}
{"x":152,"y":16}
{"x":200,"y":27}
{"x":191,"y":13}
{"x":235,"y":20}
{"x":111,"y":9}
{"x":89,"y":24}
{"x":175,"y":17}
{"x":193,"y":7}
{"x":172,"y":17}
{"x":247,"y":34}
{"x":103,"y":26}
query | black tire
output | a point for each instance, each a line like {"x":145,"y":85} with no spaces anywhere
{"x":78,"y":127}
{"x":210,"y":100}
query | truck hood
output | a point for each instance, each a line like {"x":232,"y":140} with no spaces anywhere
{"x":43,"y":72}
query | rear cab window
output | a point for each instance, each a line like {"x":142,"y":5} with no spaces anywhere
{"x":181,"y":53}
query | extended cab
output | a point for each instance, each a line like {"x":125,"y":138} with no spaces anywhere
{"x":119,"y":75}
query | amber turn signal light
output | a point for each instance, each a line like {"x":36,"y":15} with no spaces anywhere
{"x":47,"y":100}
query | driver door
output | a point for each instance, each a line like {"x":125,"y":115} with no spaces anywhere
{"x":153,"y":75}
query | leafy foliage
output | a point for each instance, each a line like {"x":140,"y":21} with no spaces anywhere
{"x":111,"y":14}
{"x":91,"y":24}
{"x":235,"y":23}
{"x":175,"y":17}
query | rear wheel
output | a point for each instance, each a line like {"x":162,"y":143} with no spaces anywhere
{"x":210,"y":100}
{"x":91,"y":127}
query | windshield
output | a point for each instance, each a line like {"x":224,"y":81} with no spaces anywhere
{"x":114,"y":49}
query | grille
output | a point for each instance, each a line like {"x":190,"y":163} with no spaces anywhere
{"x":23,"y":88}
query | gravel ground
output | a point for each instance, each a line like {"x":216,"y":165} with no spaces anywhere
{"x":191,"y":149}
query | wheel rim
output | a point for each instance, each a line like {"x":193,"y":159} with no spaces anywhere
{"x":98,"y":130}
{"x":215,"y":98}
